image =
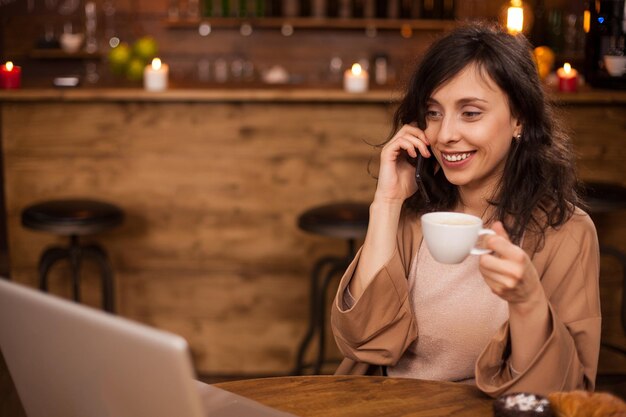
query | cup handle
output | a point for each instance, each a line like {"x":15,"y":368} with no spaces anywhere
{"x":478,"y":251}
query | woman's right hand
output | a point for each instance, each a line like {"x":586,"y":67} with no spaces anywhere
{"x":396,"y":182}
{"x":396,"y":176}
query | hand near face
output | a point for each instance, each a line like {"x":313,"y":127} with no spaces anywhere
{"x":509,"y":272}
{"x":396,"y":176}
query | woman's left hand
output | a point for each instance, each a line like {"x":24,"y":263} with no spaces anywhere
{"x":508,"y":270}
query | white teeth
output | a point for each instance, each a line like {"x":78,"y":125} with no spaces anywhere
{"x":455,"y":157}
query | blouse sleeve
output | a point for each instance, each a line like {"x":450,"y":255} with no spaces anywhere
{"x":569,"y":270}
{"x":379,"y":326}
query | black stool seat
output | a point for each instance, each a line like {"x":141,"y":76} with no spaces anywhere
{"x":340,"y":220}
{"x":603,"y":197}
{"x":74,"y":218}
{"x":347,"y":220}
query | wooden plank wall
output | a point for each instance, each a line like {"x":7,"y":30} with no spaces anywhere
{"x":210,"y":248}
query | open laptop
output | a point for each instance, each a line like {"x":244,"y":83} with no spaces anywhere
{"x":71,"y":360}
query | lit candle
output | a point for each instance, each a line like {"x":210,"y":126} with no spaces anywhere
{"x":155,"y":76}
{"x":355,"y":79}
{"x":10,"y":76}
{"x":568,"y":78}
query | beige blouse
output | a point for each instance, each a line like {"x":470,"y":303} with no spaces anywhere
{"x":381,"y":326}
{"x":458,"y":315}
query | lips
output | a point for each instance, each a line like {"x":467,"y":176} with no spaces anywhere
{"x":456,"y":156}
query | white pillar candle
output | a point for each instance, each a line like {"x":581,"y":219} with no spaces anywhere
{"x":355,"y":79}
{"x":155,"y":76}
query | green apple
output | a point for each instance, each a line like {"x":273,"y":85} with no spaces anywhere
{"x":119,"y":57}
{"x":134,"y":71}
{"x":145,"y":48}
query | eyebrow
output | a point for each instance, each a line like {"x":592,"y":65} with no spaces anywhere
{"x":462,"y":101}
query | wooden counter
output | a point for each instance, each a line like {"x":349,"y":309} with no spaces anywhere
{"x":228,"y":95}
{"x":279,"y":94}
{"x":212,"y":182}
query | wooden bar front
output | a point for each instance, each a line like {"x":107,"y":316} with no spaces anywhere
{"x":212,"y":183}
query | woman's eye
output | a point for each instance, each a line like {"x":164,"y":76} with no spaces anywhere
{"x":471,"y":114}
{"x":433,"y":114}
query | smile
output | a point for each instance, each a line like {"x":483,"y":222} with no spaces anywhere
{"x":456,"y":157}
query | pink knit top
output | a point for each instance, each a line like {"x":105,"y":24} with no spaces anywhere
{"x":456,"y":315}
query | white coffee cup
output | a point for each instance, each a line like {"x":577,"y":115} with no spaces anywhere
{"x":451,"y":237}
{"x":615,"y":65}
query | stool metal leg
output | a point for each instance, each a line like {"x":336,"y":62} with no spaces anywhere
{"x":76,"y":254}
{"x":337,"y":269}
{"x":75,"y":262}
{"x":318,"y":305}
{"x":98,"y":254}
{"x":621,"y":258}
{"x":351,"y":249}
{"x":314,"y":308}
{"x":47,"y":260}
{"x":340,"y":265}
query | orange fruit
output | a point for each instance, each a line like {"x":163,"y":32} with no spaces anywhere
{"x":544,"y":59}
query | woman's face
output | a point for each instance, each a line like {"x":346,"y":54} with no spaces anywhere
{"x":470,"y":129}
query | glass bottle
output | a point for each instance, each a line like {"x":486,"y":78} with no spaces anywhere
{"x":448,"y":10}
{"x":345,"y":9}
{"x":91,"y":42}
{"x":393,"y":9}
{"x":207,"y":8}
{"x":381,"y":8}
{"x":333,"y":8}
{"x":291,"y":8}
{"x":193,"y":9}
{"x":173,"y":11}
{"x":358,"y":8}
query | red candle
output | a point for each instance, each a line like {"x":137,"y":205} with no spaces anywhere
{"x":10,"y":76}
{"x":568,"y":78}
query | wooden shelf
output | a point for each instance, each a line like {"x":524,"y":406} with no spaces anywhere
{"x":315,"y":23}
{"x":60,"y":54}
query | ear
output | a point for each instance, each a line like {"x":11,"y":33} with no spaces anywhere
{"x":517,"y":126}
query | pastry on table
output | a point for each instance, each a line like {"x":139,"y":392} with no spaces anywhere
{"x":586,"y":404}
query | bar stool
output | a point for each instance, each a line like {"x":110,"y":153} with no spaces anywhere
{"x":339,"y":220}
{"x":74,"y":218}
{"x":602,"y":198}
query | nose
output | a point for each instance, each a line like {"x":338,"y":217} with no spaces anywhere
{"x":448,"y":130}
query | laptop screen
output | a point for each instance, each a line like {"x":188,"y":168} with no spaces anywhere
{"x":71,"y":360}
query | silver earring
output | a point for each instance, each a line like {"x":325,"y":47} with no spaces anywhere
{"x":519,"y":136}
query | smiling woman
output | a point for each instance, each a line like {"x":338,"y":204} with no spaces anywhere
{"x":524,"y":317}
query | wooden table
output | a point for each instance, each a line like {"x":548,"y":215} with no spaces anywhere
{"x":363,"y":396}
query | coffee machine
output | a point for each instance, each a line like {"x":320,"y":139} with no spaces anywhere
{"x":605,"y":41}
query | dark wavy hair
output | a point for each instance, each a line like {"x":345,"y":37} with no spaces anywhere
{"x":539,"y":186}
